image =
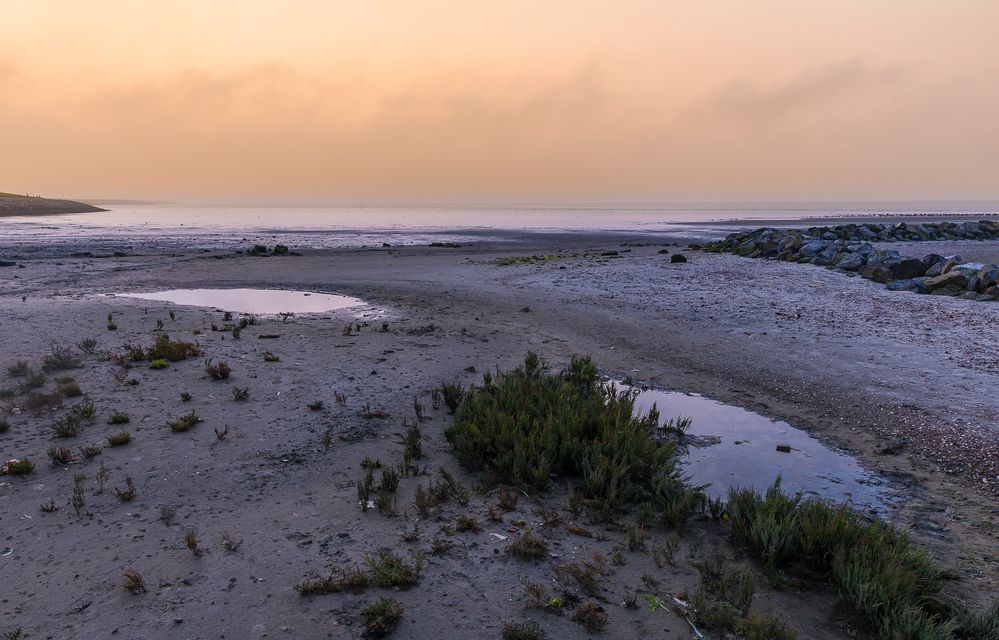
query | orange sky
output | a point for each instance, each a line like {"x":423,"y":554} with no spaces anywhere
{"x":549,"y":99}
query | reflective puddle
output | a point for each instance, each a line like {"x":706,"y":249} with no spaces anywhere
{"x":262,"y":301}
{"x":734,"y":447}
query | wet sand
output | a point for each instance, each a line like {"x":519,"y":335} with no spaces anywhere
{"x":900,"y":380}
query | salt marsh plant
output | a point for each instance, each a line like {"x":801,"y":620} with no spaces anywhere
{"x":531,"y":424}
{"x":220,"y":435}
{"x":119,"y":439}
{"x":118,"y":417}
{"x":381,"y":617}
{"x":385,"y":569}
{"x":112,"y":325}
{"x":19,"y":369}
{"x":591,"y":615}
{"x":528,"y":547}
{"x":68,"y":426}
{"x":78,"y":501}
{"x":159,"y":363}
{"x":133,"y":581}
{"x":452,"y":393}
{"x":60,"y":358}
{"x":48,"y":507}
{"x":240,"y":393}
{"x":87,"y":345}
{"x":31,"y":379}
{"x":70,"y":389}
{"x":316,"y":405}
{"x":184,"y":423}
{"x":521,"y":631}
{"x":163,"y":348}
{"x":890,"y":582}
{"x":60,"y":456}
{"x":17,"y":467}
{"x":217,"y":370}
{"x":37,"y":401}
{"x":230,"y":544}
{"x":191,"y":542}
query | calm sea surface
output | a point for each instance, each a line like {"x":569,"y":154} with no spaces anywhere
{"x":207,"y":225}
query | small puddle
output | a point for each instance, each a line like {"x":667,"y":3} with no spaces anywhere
{"x":734,"y":447}
{"x":262,"y":301}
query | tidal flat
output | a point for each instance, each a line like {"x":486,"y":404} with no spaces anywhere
{"x":318,"y":455}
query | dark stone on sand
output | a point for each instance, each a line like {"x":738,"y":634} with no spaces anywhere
{"x":7,"y":263}
{"x":676,"y":257}
{"x":908,"y":268}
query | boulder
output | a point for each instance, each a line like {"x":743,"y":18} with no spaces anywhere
{"x":677,"y":257}
{"x":950,"y":279}
{"x":852,"y":262}
{"x":911,"y":284}
{"x":877,"y":273}
{"x":812,"y":248}
{"x":931,"y":259}
{"x":908,"y":268}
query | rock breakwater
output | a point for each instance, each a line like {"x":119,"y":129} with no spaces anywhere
{"x":848,"y":248}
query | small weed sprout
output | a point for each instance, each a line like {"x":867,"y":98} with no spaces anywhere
{"x":185,"y":396}
{"x":230,"y":544}
{"x":159,"y":363}
{"x":317,"y":405}
{"x":128,"y":493}
{"x":220,"y":435}
{"x":167,"y":514}
{"x":191,"y":542}
{"x":112,"y":326}
{"x":340,"y":399}
{"x":240,"y":393}
{"x":101,"y":477}
{"x":48,"y":507}
{"x":452,"y":393}
{"x":133,"y":582}
{"x":77,"y":500}
{"x":390,"y":481}
{"x":381,"y":617}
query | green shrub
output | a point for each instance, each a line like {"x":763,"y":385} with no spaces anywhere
{"x":118,"y":417}
{"x":60,"y":358}
{"x":529,"y":424}
{"x":184,"y":423}
{"x":890,"y":582}
{"x":159,"y":363}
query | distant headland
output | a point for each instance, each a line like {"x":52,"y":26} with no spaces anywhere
{"x":18,"y":205}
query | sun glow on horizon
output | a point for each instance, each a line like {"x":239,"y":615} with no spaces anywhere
{"x":584,"y":100}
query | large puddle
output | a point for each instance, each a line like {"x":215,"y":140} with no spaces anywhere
{"x":262,"y":301}
{"x":734,"y":447}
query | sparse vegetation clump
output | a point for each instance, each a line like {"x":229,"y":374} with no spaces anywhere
{"x":217,"y":370}
{"x":890,"y":582}
{"x":118,"y":417}
{"x":184,"y":423}
{"x":529,"y":547}
{"x":119,"y":439}
{"x":385,"y":569}
{"x":17,"y":467}
{"x":164,"y":348}
{"x":528,"y":424}
{"x":240,"y":393}
{"x":60,"y":358}
{"x":381,"y":617}
{"x":19,"y":369}
{"x":521,"y":631}
{"x":159,"y":363}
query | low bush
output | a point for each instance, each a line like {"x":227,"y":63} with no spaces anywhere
{"x":164,"y":348}
{"x":529,"y":424}
{"x":381,"y":617}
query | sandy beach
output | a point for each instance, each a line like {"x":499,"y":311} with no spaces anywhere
{"x":898,"y":380}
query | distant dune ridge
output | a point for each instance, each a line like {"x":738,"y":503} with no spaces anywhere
{"x":15,"y":205}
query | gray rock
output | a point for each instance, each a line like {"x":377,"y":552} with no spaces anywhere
{"x":911,"y":284}
{"x":812,"y":248}
{"x":951,"y":279}
{"x":852,"y":262}
{"x":908,"y":268}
